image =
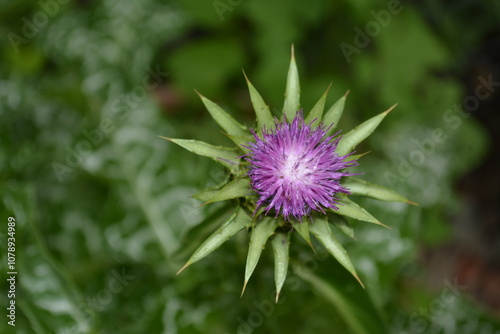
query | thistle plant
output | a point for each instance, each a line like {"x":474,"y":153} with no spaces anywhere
{"x":288,"y":175}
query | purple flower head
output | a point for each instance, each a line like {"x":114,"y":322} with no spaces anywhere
{"x":294,"y":169}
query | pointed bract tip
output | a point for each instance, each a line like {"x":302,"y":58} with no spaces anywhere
{"x":379,"y":223}
{"x":347,"y":93}
{"x":199,"y":94}
{"x":390,"y":109}
{"x":199,"y":206}
{"x":412,"y":203}
{"x":359,"y":280}
{"x":246,"y":78}
{"x":184,"y":267}
{"x":277,"y":297}
{"x":244,"y":287}
{"x":226,"y":134}
{"x":363,"y":154}
{"x":293,"y":51}
{"x":170,"y":139}
{"x":328,"y":89}
{"x":207,"y":202}
{"x":311,"y":245}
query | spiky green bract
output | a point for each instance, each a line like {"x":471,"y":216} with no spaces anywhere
{"x":281,"y":243}
{"x":237,"y":187}
{"x":363,"y":188}
{"x":260,"y":233}
{"x":333,"y":115}
{"x":360,"y":133}
{"x":303,"y":229}
{"x":264,"y":116}
{"x":316,"y":113}
{"x":323,"y":233}
{"x":292,"y":93}
{"x":238,"y":221}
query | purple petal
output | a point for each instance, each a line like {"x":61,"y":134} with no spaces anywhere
{"x":294,"y":169}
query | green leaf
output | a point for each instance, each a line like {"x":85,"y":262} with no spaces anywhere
{"x":193,"y":238}
{"x":317,"y":111}
{"x":333,"y":115}
{"x":353,"y":305}
{"x":322,"y":232}
{"x":228,"y":123}
{"x":303,"y":229}
{"x":241,"y":140}
{"x":264,"y":116}
{"x":292,"y":92}
{"x":363,"y":188}
{"x":261,"y":232}
{"x":342,"y":224}
{"x":206,"y":194}
{"x":238,"y":221}
{"x":280,"y":243}
{"x":223,"y":155}
{"x":350,"y":209}
{"x":360,"y":133}
{"x":234,"y":189}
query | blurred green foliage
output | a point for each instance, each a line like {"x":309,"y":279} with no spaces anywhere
{"x":104,"y":218}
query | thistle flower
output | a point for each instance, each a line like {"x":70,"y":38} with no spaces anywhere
{"x":287,"y":177}
{"x":294,"y":169}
